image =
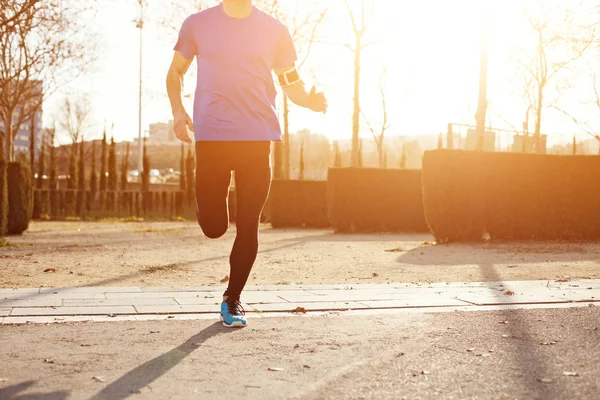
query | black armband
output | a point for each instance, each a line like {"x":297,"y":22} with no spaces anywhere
{"x":289,"y":77}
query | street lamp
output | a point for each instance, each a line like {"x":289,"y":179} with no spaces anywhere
{"x":140,"y":25}
{"x":482,"y":105}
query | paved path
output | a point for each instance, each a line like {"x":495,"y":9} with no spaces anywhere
{"x":47,"y":305}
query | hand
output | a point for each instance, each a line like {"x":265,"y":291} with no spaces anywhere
{"x":182,"y":122}
{"x":317,"y":101}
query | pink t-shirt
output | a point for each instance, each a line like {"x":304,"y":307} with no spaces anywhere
{"x":235,"y":92}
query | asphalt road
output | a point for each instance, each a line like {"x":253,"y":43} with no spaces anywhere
{"x":518,"y":354}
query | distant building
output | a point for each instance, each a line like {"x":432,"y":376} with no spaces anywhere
{"x":162,"y":132}
{"x":23,"y":135}
{"x":526,"y":143}
{"x":489,"y":140}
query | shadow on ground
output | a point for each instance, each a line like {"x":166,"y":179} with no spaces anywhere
{"x":145,"y":374}
{"x":12,"y":393}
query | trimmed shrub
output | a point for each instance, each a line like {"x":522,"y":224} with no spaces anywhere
{"x":54,"y":204}
{"x":452,"y":194}
{"x":37,"y":204}
{"x":165,"y":202}
{"x":298,"y":204}
{"x":375,"y":200}
{"x":70,"y":201}
{"x":19,"y":198}
{"x":511,"y":196}
{"x":3,"y":198}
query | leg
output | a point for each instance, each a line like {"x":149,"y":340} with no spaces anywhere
{"x":213,"y":175}
{"x":252,"y":181}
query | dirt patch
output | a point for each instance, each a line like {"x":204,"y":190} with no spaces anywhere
{"x":177,"y":254}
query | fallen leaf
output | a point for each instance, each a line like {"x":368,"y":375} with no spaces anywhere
{"x":154,"y":331}
{"x":226,"y":279}
{"x":275,"y":369}
{"x":504,"y":322}
{"x":544,"y":380}
{"x":470,"y":350}
{"x":98,"y":379}
{"x":306,"y":366}
{"x":48,"y":361}
{"x":375,"y":274}
{"x":509,"y":293}
{"x":171,"y":316}
{"x":570,"y":373}
{"x":425,"y":372}
{"x":50,"y":270}
{"x":296,"y":346}
{"x":400,"y":354}
{"x":395,"y":250}
{"x":299,"y":310}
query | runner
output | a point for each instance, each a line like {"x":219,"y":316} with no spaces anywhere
{"x":237,"y":47}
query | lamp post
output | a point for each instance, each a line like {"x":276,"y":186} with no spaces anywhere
{"x":480,"y":116}
{"x":140,"y":26}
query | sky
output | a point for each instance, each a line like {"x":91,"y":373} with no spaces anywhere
{"x":429,"y":48}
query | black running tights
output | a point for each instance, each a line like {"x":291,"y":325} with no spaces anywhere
{"x":250,"y":161}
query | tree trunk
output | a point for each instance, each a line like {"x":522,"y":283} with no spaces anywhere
{"x":380,"y":152}
{"x":286,"y":137}
{"x":356,"y":113}
{"x":9,"y":132}
{"x":32,"y":145}
{"x":538,"y":119}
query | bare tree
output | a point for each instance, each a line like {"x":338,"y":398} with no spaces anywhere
{"x":360,"y":24}
{"x":304,"y":34}
{"x":74,"y":117}
{"x":557,"y":47}
{"x":379,"y":133}
{"x":39,"y":42}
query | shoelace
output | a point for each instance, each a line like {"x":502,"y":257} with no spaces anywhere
{"x":235,"y":308}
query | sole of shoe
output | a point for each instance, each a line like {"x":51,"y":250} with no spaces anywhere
{"x":235,"y":324}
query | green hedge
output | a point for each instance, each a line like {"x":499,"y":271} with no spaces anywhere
{"x":3,"y":198}
{"x":19,"y":198}
{"x":511,"y":196}
{"x":375,"y":200}
{"x":298,"y":204}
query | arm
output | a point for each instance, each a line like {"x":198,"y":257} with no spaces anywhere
{"x":177,"y":70}
{"x":296,"y":91}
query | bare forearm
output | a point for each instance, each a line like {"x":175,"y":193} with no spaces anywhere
{"x":297,"y":94}
{"x":174,"y":90}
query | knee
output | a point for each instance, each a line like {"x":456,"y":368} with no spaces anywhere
{"x":213,"y":231}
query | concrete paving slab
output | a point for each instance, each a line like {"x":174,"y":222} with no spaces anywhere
{"x":93,"y":289}
{"x":195,"y":300}
{"x":17,"y":291}
{"x":80,"y":295}
{"x":317,"y":306}
{"x":5,"y":312}
{"x":178,"y":309}
{"x":119,"y":302}
{"x":39,"y":302}
{"x":152,"y":295}
{"x":414,"y":302}
{"x":99,"y":310}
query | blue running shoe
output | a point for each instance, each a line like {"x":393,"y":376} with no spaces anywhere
{"x":232,"y":314}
